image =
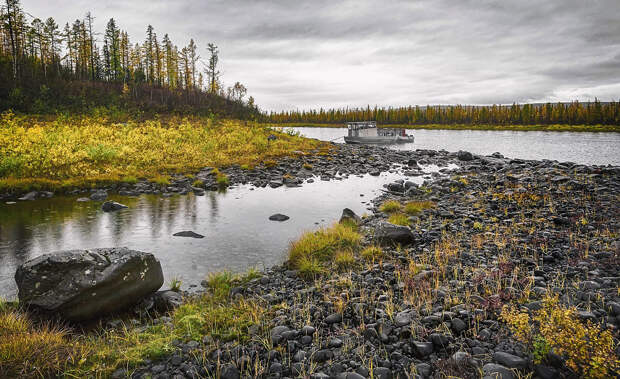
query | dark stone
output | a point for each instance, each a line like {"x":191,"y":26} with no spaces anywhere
{"x":84,"y":284}
{"x":323,"y":355}
{"x":100,"y":195}
{"x":278,"y":217}
{"x":167,"y":300}
{"x":509,"y":360}
{"x":389,"y":233}
{"x":493,"y":370}
{"x":111,"y":206}
{"x":465,"y":156}
{"x":230,"y":372}
{"x":350,"y":216}
{"x":333,"y":318}
{"x":188,"y":233}
{"x":423,"y":349}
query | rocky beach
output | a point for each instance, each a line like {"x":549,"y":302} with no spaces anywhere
{"x":477,"y":249}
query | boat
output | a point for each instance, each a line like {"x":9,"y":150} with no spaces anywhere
{"x":367,"y":132}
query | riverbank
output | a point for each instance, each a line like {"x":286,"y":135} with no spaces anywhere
{"x":493,"y":251}
{"x":84,"y":152}
{"x":523,"y":128}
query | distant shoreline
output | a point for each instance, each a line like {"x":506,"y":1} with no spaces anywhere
{"x":521,"y":128}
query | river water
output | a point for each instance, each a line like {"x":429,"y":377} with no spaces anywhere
{"x":235,"y":224}
{"x":586,"y":148}
{"x":238,"y":234}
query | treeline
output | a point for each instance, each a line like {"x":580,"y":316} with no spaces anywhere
{"x":574,"y":113}
{"x":45,"y":67}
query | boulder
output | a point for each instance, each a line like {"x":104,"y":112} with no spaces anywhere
{"x":85,"y":284}
{"x":464,"y":156}
{"x":278,"y":217}
{"x":350,"y":216}
{"x":188,"y":233}
{"x":387,"y":233}
{"x":111,"y":206}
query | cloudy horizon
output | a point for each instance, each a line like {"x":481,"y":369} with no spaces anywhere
{"x":331,"y":54}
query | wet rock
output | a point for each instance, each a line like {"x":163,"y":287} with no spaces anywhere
{"x":84,"y":284}
{"x":188,"y":233}
{"x":32,"y":195}
{"x":100,"y":195}
{"x":111,"y":206}
{"x":387,"y":233}
{"x":350,"y":216}
{"x":278,"y":217}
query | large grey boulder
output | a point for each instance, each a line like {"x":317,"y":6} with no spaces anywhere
{"x":387,"y":233}
{"x":84,"y":284}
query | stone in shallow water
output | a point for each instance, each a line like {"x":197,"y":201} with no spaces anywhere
{"x":188,"y":233}
{"x":111,"y":206}
{"x":84,"y":284}
{"x":278,"y":217}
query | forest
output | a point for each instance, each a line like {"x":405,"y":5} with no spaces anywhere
{"x":574,"y":113}
{"x":46,"y":68}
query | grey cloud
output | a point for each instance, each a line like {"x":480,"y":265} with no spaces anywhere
{"x":304,"y":54}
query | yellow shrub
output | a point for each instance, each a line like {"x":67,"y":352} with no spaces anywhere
{"x":92,"y":148}
{"x":588,"y":350}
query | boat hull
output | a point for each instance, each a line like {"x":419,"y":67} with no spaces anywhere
{"x":378,"y":139}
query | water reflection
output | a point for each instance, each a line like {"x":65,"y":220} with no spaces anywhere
{"x":235,"y":224}
{"x":582,"y":147}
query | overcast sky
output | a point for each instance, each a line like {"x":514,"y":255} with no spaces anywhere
{"x":326,"y":53}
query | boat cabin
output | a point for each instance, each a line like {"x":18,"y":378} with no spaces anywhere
{"x":369,"y":129}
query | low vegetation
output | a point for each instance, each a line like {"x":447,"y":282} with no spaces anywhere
{"x":313,"y":251}
{"x":84,"y":151}
{"x":29,"y":348}
{"x":589,"y":350}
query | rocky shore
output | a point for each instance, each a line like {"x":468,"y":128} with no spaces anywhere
{"x":502,"y":231}
{"x":498,"y":233}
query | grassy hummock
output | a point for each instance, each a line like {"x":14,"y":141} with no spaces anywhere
{"x":84,"y":151}
{"x":313,"y":251}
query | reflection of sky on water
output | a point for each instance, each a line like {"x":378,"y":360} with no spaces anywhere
{"x":238,"y":234}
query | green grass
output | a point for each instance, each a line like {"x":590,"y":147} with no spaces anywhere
{"x":161,"y":180}
{"x":29,"y":349}
{"x":63,"y":153}
{"x":550,"y":128}
{"x":198,"y":183}
{"x":399,"y":219}
{"x":315,"y":250}
{"x":390,"y":206}
{"x":371,"y":253}
{"x":415,"y":207}
{"x":344,"y":259}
